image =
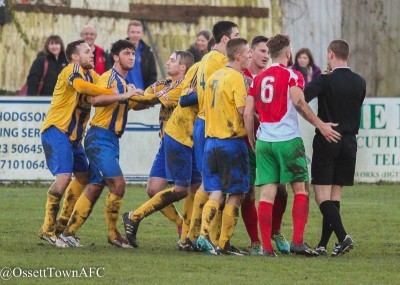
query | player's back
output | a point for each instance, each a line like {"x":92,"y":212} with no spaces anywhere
{"x":225,"y":92}
{"x":271,"y":92}
{"x":210,"y":63}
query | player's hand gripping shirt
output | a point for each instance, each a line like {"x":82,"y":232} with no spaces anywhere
{"x":278,"y":117}
{"x":225,"y":93}
{"x":210,"y":63}
{"x":69,"y":108}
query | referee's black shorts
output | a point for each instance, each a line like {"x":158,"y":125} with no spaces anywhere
{"x":333,"y":163}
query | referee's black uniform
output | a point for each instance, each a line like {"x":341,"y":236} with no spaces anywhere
{"x":340,"y":97}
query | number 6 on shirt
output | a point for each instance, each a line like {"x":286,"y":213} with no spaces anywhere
{"x":266,"y":86}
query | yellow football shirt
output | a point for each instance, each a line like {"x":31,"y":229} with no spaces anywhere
{"x":225,"y":92}
{"x":70,"y":110}
{"x":168,"y":92}
{"x":210,"y":63}
{"x":180,"y":124}
{"x":113,"y":117}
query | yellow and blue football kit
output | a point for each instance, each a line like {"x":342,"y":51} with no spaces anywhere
{"x":167,"y":92}
{"x":210,"y":63}
{"x":178,"y":141}
{"x":180,"y":124}
{"x":61,"y":137}
{"x":67,"y":118}
{"x":225,"y":162}
{"x":107,"y":126}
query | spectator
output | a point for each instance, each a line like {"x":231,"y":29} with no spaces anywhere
{"x":53,"y":54}
{"x":304,"y":62}
{"x":144,"y":72}
{"x":199,"y":48}
{"x":102,"y":61}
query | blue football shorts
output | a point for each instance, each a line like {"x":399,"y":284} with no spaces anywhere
{"x":62,"y":155}
{"x":226,"y":166}
{"x":158,"y":168}
{"x":180,"y":162}
{"x":102,"y":150}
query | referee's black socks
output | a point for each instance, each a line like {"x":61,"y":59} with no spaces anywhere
{"x":332,"y":216}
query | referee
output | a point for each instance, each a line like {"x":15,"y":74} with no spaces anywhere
{"x":340,"y":96}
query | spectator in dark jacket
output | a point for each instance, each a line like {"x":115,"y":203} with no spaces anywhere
{"x":144,"y":72}
{"x":304,"y":62}
{"x":102,"y":61}
{"x":53,"y":52}
{"x":199,"y":48}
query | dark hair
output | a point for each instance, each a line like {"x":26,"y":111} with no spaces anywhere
{"x":210,"y":43}
{"x":234,"y":47}
{"x":290,"y":61}
{"x":72,"y":48}
{"x":222,"y":28}
{"x":340,"y":48}
{"x":308,"y":53}
{"x":276,"y":44}
{"x":53,"y":38}
{"x":185,"y":58}
{"x":120,"y":45}
{"x":205,"y":34}
{"x":257,"y":40}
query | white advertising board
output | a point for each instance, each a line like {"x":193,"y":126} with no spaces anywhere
{"x":21,"y":152}
{"x":22,"y":157}
{"x":378,"y":140}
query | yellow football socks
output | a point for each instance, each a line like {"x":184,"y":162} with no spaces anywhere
{"x":113,"y":204}
{"x":74,"y":190}
{"x":187,"y":215}
{"x":230,"y":216}
{"x":156,"y":203}
{"x":215,"y":231}
{"x":210,"y":212}
{"x":82,"y":210}
{"x":52,"y":207}
{"x":171,"y":213}
{"x":200,"y":199}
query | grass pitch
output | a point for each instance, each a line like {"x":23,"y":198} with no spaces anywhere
{"x":370,"y":214}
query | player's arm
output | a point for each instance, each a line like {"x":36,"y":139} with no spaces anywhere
{"x":189,"y":100}
{"x":140,"y":106}
{"x":105,"y":100}
{"x":314,"y":89}
{"x":147,"y":99}
{"x":87,"y":88}
{"x":248,"y":118}
{"x":297,"y":96}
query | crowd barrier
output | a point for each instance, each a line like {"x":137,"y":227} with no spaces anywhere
{"x":22,"y":157}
